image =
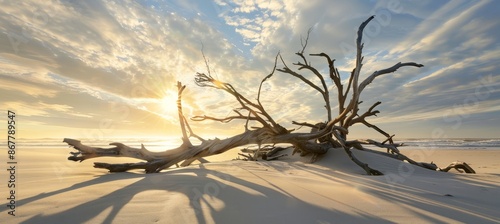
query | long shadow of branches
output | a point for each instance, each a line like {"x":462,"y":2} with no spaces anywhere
{"x":270,"y":204}
{"x":453,"y":203}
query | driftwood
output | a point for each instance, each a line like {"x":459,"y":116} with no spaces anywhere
{"x":459,"y":166}
{"x":268,"y":153}
{"x":324,"y":135}
{"x":187,"y":152}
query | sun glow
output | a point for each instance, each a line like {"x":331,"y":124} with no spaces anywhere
{"x":169,"y":103}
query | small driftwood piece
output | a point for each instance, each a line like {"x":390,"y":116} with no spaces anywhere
{"x":459,"y":166}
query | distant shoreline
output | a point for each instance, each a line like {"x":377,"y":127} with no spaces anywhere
{"x":172,"y":142}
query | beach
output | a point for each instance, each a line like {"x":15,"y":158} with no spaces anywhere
{"x":51,"y":189}
{"x":172,"y":82}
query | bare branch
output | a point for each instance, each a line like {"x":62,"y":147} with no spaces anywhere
{"x":365,"y":166}
{"x":335,"y":76}
{"x":325,"y":93}
{"x":394,"y":68}
{"x":392,"y":147}
{"x":353,"y":105}
{"x":223,"y":120}
{"x":266,"y":78}
{"x":304,"y":124}
{"x":303,"y":43}
{"x":368,"y":113}
{"x":207,"y":81}
{"x":389,"y":139}
{"x":191,"y":133}
{"x":182,"y":120}
{"x":289,"y":71}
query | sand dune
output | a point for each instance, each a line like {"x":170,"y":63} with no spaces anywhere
{"x":333,"y":190}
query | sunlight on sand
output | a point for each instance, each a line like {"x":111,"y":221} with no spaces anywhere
{"x":333,"y":190}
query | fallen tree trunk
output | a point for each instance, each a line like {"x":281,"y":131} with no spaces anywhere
{"x":157,"y":161}
{"x":187,"y":152}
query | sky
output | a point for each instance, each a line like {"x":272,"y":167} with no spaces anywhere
{"x":108,"y":69}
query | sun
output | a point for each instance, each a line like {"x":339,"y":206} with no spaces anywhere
{"x":168,"y":103}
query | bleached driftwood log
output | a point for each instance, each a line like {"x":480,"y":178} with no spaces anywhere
{"x":187,"y":152}
{"x":331,"y":133}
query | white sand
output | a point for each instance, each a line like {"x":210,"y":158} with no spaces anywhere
{"x":51,"y":189}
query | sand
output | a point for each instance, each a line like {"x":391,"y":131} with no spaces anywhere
{"x":50,"y":189}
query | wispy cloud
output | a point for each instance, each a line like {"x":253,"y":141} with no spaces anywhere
{"x":82,"y":60}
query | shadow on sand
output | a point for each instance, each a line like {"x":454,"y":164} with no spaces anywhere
{"x":267,"y":205}
{"x":195,"y":195}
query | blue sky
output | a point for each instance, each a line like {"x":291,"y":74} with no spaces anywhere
{"x":107,"y":69}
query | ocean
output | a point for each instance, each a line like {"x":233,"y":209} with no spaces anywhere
{"x":464,"y":143}
{"x":156,"y":144}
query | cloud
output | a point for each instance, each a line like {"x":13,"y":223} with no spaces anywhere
{"x":109,"y":51}
{"x":32,"y":89}
{"x":81,"y":60}
{"x":457,"y":59}
{"x":37,"y":109}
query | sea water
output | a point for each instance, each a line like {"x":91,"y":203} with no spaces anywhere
{"x":159,"y":144}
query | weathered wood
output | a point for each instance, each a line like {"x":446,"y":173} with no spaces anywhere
{"x":398,"y":156}
{"x":324,"y":135}
{"x":157,"y":161}
{"x":459,"y":166}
